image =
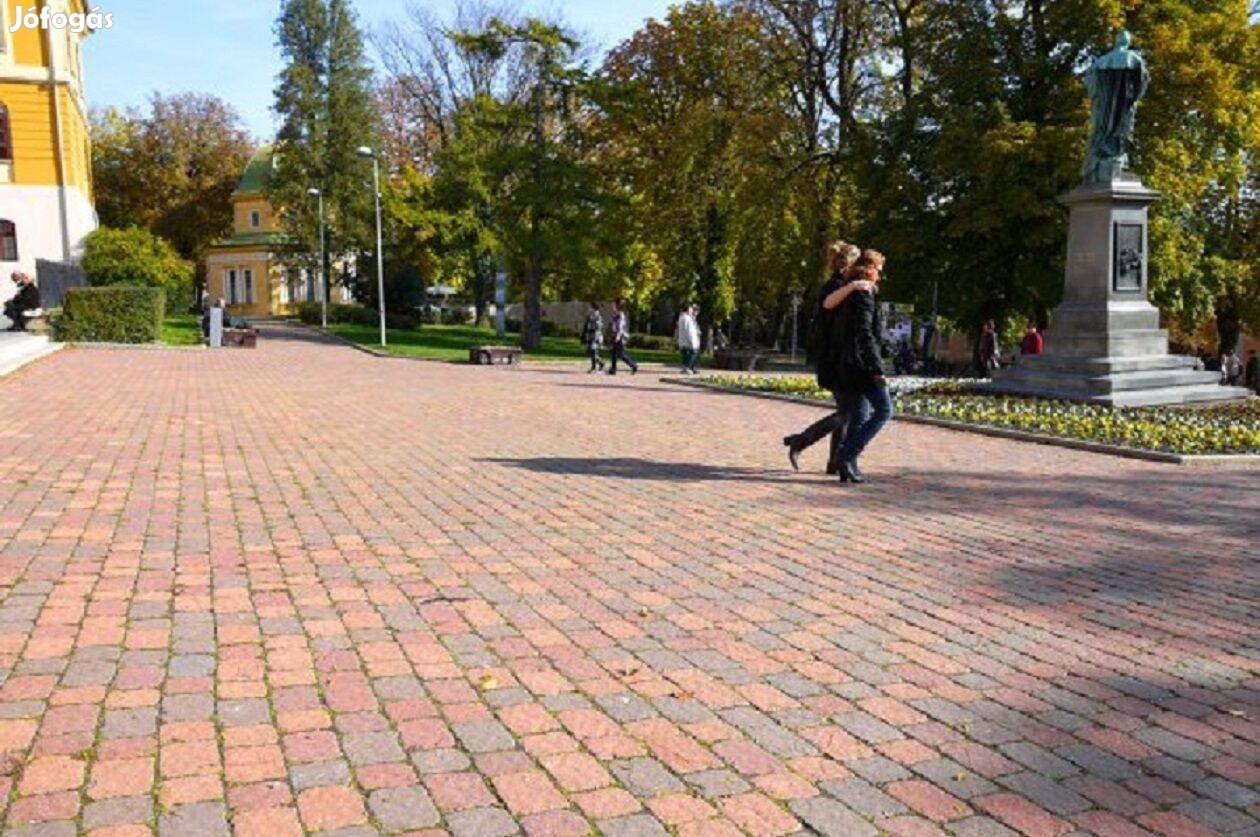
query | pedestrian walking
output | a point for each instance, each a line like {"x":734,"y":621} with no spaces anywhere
{"x":861,"y":369}
{"x":840,"y":259}
{"x":990,"y":350}
{"x":1253,"y":371}
{"x":688,"y":335}
{"x":593,"y":337}
{"x":1231,"y":369}
{"x":620,"y":329}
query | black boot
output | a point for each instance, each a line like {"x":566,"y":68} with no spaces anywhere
{"x":794,"y":452}
{"x":847,"y":473}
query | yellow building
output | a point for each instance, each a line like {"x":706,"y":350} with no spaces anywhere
{"x":46,"y":203}
{"x":249,"y":270}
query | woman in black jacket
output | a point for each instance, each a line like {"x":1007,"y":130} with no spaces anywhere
{"x":861,"y":371}
{"x":840,"y":259}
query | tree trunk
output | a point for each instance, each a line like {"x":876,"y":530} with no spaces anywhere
{"x":531,"y":326}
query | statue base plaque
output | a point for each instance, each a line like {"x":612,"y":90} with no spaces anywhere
{"x":1104,"y":344}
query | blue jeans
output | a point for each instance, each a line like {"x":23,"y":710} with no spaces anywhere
{"x":689,"y":359}
{"x":862,"y":429}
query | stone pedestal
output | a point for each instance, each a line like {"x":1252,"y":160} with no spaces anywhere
{"x":1104,"y":343}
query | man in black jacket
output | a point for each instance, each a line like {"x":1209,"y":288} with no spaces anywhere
{"x":861,"y":373}
{"x":26,"y":299}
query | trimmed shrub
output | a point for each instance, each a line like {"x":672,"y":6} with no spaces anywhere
{"x":655,"y":342}
{"x":114,"y":314}
{"x":135,"y":256}
{"x":310,"y":313}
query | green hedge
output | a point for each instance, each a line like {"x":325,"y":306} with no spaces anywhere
{"x":309,"y":313}
{"x":112,"y":314}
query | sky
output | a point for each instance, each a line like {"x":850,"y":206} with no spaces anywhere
{"x":227,"y":47}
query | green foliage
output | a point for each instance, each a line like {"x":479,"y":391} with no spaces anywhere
{"x":135,"y":256}
{"x":1202,"y":430}
{"x":311,"y":314}
{"x":326,"y":105}
{"x":717,"y":151}
{"x":171,"y":169}
{"x":114,"y":314}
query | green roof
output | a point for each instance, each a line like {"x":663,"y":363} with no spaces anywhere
{"x":257,"y":175}
{"x":260,"y":239}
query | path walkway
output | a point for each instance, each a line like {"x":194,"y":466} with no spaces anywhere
{"x":301,"y":587}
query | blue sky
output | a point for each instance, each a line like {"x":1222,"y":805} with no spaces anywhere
{"x":226,"y":47}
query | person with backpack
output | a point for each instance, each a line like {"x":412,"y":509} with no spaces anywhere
{"x":593,"y":337}
{"x":840,"y":259}
{"x":620,"y":328}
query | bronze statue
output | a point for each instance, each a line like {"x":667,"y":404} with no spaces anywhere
{"x":1116,"y":83}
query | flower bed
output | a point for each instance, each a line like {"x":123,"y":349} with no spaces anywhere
{"x":1223,"y":429}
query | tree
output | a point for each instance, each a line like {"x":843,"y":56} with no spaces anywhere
{"x":327,"y":107}
{"x":703,"y":130}
{"x":437,"y":106}
{"x":1198,"y":143}
{"x":135,"y":256}
{"x":170,"y":170}
{"x":546,"y":192}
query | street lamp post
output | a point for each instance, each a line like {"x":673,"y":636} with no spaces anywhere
{"x":368,"y":154}
{"x":323,"y":257}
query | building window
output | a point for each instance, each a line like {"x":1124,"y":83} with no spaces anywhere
{"x":8,"y":242}
{"x":255,"y":219}
{"x":248,"y":276}
{"x":311,"y":294}
{"x":229,"y":286}
{"x":6,"y":135}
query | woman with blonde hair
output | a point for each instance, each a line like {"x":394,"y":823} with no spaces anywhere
{"x":860,"y":374}
{"x":841,"y":257}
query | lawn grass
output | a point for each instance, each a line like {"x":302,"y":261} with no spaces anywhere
{"x":451,"y":342}
{"x":181,"y":330}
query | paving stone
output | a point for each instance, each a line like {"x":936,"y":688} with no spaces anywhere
{"x":482,"y":822}
{"x":399,"y":809}
{"x":205,"y":818}
{"x":828,"y":817}
{"x":646,"y":777}
{"x":273,"y":616}
{"x":864,"y":798}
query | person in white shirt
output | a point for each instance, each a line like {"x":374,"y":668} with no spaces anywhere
{"x":620,"y":339}
{"x":688,"y":334}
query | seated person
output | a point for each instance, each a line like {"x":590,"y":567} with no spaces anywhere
{"x":24,"y":301}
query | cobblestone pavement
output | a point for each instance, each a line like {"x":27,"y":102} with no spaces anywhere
{"x":301,"y":588}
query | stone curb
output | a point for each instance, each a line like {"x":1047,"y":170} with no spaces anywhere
{"x":143,"y":347}
{"x":14,"y":368}
{"x":1246,"y":461}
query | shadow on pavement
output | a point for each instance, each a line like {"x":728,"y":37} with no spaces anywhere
{"x":646,"y":469}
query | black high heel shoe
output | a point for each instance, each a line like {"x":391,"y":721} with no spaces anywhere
{"x":794,"y":453}
{"x":849,"y":474}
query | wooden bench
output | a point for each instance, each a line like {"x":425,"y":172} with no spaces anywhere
{"x":240,"y":338}
{"x":490,"y":355}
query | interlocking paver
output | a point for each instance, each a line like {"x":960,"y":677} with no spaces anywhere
{"x":304,"y":588}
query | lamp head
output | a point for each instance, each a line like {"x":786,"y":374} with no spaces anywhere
{"x":365,"y":152}
{"x":314,"y":193}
